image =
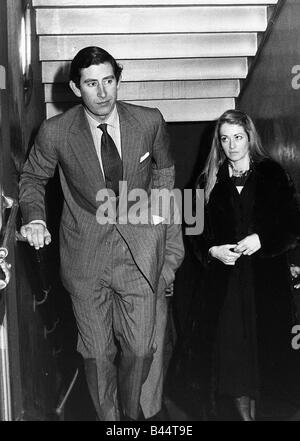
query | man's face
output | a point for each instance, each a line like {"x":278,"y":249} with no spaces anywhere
{"x":98,"y":90}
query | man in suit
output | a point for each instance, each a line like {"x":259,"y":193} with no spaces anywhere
{"x":115,"y":271}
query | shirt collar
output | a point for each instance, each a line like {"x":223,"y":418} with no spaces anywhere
{"x":112,"y":120}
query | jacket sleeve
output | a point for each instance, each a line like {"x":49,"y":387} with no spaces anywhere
{"x":280,"y":230}
{"x":37,"y":170}
{"x":163,"y":170}
{"x":174,"y":252}
{"x":174,"y":247}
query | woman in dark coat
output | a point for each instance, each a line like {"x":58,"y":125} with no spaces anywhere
{"x":251,"y":221}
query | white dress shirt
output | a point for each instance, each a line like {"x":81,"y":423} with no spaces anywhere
{"x":113,"y":129}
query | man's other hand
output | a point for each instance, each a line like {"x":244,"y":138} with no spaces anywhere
{"x":169,"y":291}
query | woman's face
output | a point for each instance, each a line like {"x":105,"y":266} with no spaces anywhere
{"x":235,"y":143}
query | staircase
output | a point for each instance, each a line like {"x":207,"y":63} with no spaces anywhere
{"x":188,"y":58}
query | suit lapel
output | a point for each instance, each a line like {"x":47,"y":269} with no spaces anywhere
{"x":82,"y":144}
{"x":131,"y":143}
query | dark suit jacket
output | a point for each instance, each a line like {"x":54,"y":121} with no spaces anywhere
{"x":65,"y":140}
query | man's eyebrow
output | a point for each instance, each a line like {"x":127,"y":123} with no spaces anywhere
{"x":90,"y":79}
{"x":109,"y":77}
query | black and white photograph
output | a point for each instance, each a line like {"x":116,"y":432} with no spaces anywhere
{"x":149,"y":213}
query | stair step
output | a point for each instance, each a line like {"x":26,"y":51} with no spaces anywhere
{"x":60,"y":92}
{"x":151,"y":20}
{"x":152,"y":46}
{"x":172,"y":110}
{"x":162,"y":70}
{"x":64,"y":3}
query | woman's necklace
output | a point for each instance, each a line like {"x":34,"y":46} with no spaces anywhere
{"x":238,"y":173}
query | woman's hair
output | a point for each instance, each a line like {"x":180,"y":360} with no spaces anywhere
{"x":92,"y":55}
{"x":217,"y":156}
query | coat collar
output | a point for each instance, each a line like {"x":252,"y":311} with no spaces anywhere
{"x":82,"y":144}
{"x":228,"y":186}
{"x":258,"y":168}
{"x":131,"y":142}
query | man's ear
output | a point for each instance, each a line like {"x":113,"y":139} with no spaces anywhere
{"x":119,"y":82}
{"x":75,"y":89}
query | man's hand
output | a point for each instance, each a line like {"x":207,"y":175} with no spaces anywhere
{"x":169,"y":291}
{"x":36,"y":234}
{"x":225,"y":254}
{"x":249,"y":245}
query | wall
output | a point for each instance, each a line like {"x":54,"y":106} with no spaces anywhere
{"x":33,"y":368}
{"x":272,"y":98}
{"x":24,"y":118}
{"x":272,"y":95}
{"x":190,"y":144}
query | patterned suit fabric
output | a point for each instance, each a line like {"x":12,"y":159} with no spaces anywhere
{"x":86,"y":248}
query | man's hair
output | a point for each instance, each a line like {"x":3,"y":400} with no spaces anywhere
{"x":87,"y":57}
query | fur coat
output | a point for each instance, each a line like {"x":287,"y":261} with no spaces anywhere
{"x":270,"y":209}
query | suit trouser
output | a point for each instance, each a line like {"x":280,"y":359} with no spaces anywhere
{"x":123,"y":307}
{"x":152,"y":389}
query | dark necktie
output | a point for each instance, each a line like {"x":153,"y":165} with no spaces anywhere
{"x":111,"y":161}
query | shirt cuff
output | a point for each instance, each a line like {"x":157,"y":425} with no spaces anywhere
{"x":37,"y":221}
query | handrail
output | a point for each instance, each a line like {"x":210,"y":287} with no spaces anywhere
{"x":60,"y":406}
{"x":1,"y":206}
{"x":9,"y":228}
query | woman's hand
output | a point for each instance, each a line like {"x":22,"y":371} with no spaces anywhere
{"x":225,"y":254}
{"x":249,"y":245}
